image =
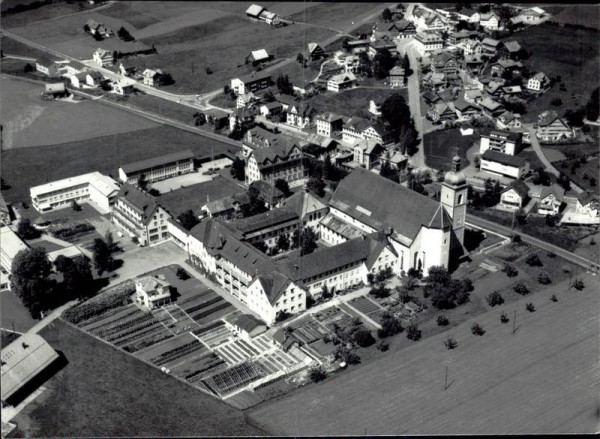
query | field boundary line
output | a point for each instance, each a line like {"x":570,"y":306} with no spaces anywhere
{"x":364,"y":316}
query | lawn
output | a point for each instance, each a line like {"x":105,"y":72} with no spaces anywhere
{"x":13,"y":47}
{"x":403,"y":392}
{"x":353,"y":102}
{"x":591,"y":169}
{"x":22,"y":168}
{"x":582,"y":15}
{"x":335,"y":15}
{"x":29,"y":121}
{"x":162,"y":107}
{"x":13,"y":312}
{"x":46,"y":12}
{"x":572,"y":54}
{"x":118,"y":395}
{"x":195,"y":196}
{"x":441,"y":146}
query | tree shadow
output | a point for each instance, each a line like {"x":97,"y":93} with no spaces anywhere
{"x":473,"y":238}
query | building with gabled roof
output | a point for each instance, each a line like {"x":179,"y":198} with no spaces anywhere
{"x":329,"y":123}
{"x":515,"y":195}
{"x":538,"y":83}
{"x":552,"y":128}
{"x":315,"y":51}
{"x":158,"y":168}
{"x":46,"y":66}
{"x":103,"y":57}
{"x":153,"y":291}
{"x":248,"y":326}
{"x":551,"y":200}
{"x":341,"y":82}
{"x":139,"y":215}
{"x":283,"y":159}
{"x":499,"y":163}
{"x":250,"y":83}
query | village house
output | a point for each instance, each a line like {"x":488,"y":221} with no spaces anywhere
{"x":267,"y":193}
{"x":329,"y":123}
{"x":315,"y":51}
{"x":380,"y":45}
{"x":588,"y":203}
{"x":248,"y":326}
{"x":250,"y":83}
{"x":444,"y":62}
{"x":531,"y":16}
{"x":341,"y":82}
{"x":47,"y":67}
{"x":396,"y":161}
{"x":357,"y":128}
{"x":426,"y":42}
{"x":442,"y":112}
{"x":469,"y":15}
{"x":396,"y":77}
{"x":98,"y":28}
{"x":472,"y":47}
{"x":506,"y":65}
{"x":508,"y":121}
{"x":259,"y":13}
{"x":506,"y":142}
{"x":490,"y":46}
{"x":78,"y":80}
{"x":246,"y":99}
{"x":284,"y":159}
{"x":515,"y":195}
{"x":551,"y":200}
{"x":94,"y":79}
{"x":122,"y":87}
{"x":489,"y":21}
{"x":472,"y":95}
{"x":511,"y":49}
{"x":158,"y":168}
{"x":465,"y":110}
{"x":358,"y":46}
{"x":98,"y":190}
{"x":243,"y":118}
{"x":431,"y":98}
{"x":299,"y":115}
{"x":126,"y":70}
{"x":491,"y":107}
{"x":551,"y":128}
{"x":151,"y":77}
{"x":503,"y":164}
{"x":103,"y":57}
{"x":139,"y":215}
{"x":152,"y":291}
{"x":270,"y":109}
{"x":258,"y":56}
{"x":538,"y":83}
{"x":401,"y":29}
{"x":367,"y":153}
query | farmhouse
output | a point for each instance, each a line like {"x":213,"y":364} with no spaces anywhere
{"x":26,"y":363}
{"x":358,"y":46}
{"x":515,"y":195}
{"x":357,"y":128}
{"x":503,"y":164}
{"x":270,"y":109}
{"x":552,"y":128}
{"x":123,"y":87}
{"x":538,"y":83}
{"x":508,"y":121}
{"x":442,"y":112}
{"x":381,"y":45}
{"x":94,"y":79}
{"x":588,"y":203}
{"x":151,"y":77}
{"x":532,"y":15}
{"x":55,"y":90}
{"x":78,"y":79}
{"x":47,"y":67}
{"x":94,"y":188}
{"x":152,"y":291}
{"x":426,"y":42}
{"x":98,"y":28}
{"x":465,"y":110}
{"x":444,"y":62}
{"x":299,"y":114}
{"x":329,"y":123}
{"x":506,"y":65}
{"x":258,"y":56}
{"x":158,"y":168}
{"x":490,"y":46}
{"x":341,"y":82}
{"x":282,"y":160}
{"x":491,"y":107}
{"x":505,"y":142}
{"x":512,"y":49}
{"x":315,"y":51}
{"x":249,"y":326}
{"x":246,"y":99}
{"x":103,"y":57}
{"x":472,"y":47}
{"x":138,"y":215}
{"x":489,"y":21}
{"x":250,"y":83}
{"x":397,"y":160}
{"x":367,"y":153}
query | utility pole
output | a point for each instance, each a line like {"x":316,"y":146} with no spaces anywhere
{"x":514,"y":321}
{"x":446,"y":379}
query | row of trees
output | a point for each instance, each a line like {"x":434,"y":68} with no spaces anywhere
{"x":306,"y":240}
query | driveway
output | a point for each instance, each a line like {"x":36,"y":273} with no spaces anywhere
{"x":414,"y":103}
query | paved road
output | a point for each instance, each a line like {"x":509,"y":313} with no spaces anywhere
{"x":535,"y":144}
{"x":544,"y":245}
{"x":414,"y":102}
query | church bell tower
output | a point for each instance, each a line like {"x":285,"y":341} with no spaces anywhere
{"x":454,"y":200}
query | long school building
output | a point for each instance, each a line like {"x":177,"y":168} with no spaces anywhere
{"x":158,"y":168}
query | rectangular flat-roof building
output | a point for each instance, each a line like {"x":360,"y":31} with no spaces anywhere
{"x":94,"y":188}
{"x":10,"y":245}
{"x":158,"y":168}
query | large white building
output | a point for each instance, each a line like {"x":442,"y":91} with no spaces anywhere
{"x":94,"y":188}
{"x":504,"y":164}
{"x":10,"y":245}
{"x":502,"y":141}
{"x":158,"y":168}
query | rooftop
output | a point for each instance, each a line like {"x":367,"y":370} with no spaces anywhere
{"x":102,"y":183}
{"x":11,"y":244}
{"x":263,"y":220}
{"x":504,"y":159}
{"x":157,"y":161}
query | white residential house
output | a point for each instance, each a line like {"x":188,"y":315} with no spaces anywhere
{"x":341,"y":82}
{"x":329,"y":123}
{"x":533,"y":15}
{"x":103,"y":57}
{"x":551,"y":200}
{"x":552,"y":128}
{"x":515,"y":195}
{"x":472,"y":47}
{"x":509,"y":121}
{"x":503,"y":164}
{"x":152,"y":291}
{"x":151,"y":77}
{"x":588,"y":203}
{"x":426,"y":42}
{"x":489,"y":21}
{"x":506,"y":142}
{"x":78,"y":80}
{"x":396,"y":77}
{"x":538,"y":82}
{"x":94,"y":79}
{"x":123,"y":87}
{"x":47,"y":67}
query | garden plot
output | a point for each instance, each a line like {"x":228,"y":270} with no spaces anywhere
{"x":215,"y":334}
{"x":334,"y":315}
{"x":234,"y":379}
{"x":366,"y":306}
{"x":308,"y":330}
{"x":175,"y":319}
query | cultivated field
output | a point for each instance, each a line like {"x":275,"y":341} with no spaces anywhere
{"x":541,"y":379}
{"x":441,"y":146}
{"x":106,"y":396}
{"x":22,"y":168}
{"x":29,"y":121}
{"x":572,"y":54}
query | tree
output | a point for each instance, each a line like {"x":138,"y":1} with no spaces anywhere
{"x":102,"y":258}
{"x":282,"y":315}
{"x":592,"y":182}
{"x":110,"y":242}
{"x":283,"y":186}
{"x":188,"y":219}
{"x":477,"y":329}
{"x":575,"y":117}
{"x":31,"y":270}
{"x":494,"y":299}
{"x":25,"y":230}
{"x":445,"y":292}
{"x":345,"y":42}
{"x":578,"y":285}
{"x":544,"y":279}
{"x":557,"y":102}
{"x":450,"y":343}
{"x":533,"y":260}
{"x":86,"y":28}
{"x":283,"y":242}
{"x":395,"y":111}
{"x":363,"y":338}
{"x":75,"y":206}
{"x":390,"y":325}
{"x":142,"y":182}
{"x":408,"y":139}
{"x":308,"y":241}
{"x":593,"y":106}
{"x":510,"y":270}
{"x":380,"y":291}
{"x":529,"y":307}
{"x":406,"y":65}
{"x":389,"y":173}
{"x":28,"y":68}
{"x":124,"y":34}
{"x":553,"y":298}
{"x":182,"y":274}
{"x":326,"y":293}
{"x":521,"y":288}
{"x":300,"y":59}
{"x":284,"y":85}
{"x":540,"y":176}
{"x":328,"y":169}
{"x":442,"y":320}
{"x":413,"y":332}
{"x":316,"y":185}
{"x":383,"y":346}
{"x":383,"y":61}
{"x":386,"y":15}
{"x":77,"y":275}
{"x":317,"y":374}
{"x":504,"y":318}
{"x":238,"y":169}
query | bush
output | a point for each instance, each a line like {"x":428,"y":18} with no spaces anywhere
{"x":533,"y":260}
{"x":442,"y":320}
{"x":413,"y":332}
{"x":529,"y":307}
{"x":182,"y":274}
{"x":282,"y":315}
{"x":510,"y":270}
{"x":578,"y":285}
{"x":75,"y":206}
{"x":390,"y":325}
{"x":504,"y":318}
{"x":317,"y":374}
{"x":476,"y":329}
{"x":380,"y":291}
{"x":494,"y":299}
{"x":553,"y":298}
{"x":544,"y":279}
{"x":28,"y":68}
{"x":104,"y":301}
{"x":383,"y":346}
{"x":551,"y":255}
{"x":521,"y":288}
{"x":516,"y":238}
{"x":450,"y":343}
{"x":363,"y":338}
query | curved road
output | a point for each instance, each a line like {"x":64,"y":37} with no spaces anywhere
{"x":480,"y":223}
